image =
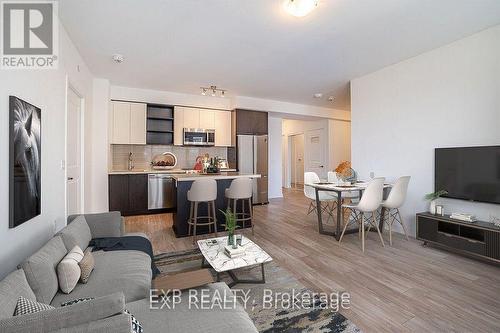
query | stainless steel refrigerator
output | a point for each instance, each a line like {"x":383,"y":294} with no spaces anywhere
{"x":253,"y":158}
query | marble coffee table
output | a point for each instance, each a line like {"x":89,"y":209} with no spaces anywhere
{"x":213,"y":254}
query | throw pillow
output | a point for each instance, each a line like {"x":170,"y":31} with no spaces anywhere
{"x":68,"y":271}
{"x":75,"y":301}
{"x":27,"y":306}
{"x":86,"y":265}
{"x":136,"y":326}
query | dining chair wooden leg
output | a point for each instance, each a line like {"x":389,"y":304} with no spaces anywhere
{"x":378,"y":230}
{"x":343,"y":231}
{"x":403,"y":225}
{"x":390,"y":231}
{"x":362,"y":232}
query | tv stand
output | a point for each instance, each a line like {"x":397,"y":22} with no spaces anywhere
{"x":479,"y":239}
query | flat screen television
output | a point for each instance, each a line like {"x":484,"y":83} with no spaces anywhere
{"x":469,"y":173}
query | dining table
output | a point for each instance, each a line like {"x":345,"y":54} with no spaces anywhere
{"x":339,"y":189}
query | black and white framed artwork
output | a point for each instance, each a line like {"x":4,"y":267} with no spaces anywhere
{"x":24,"y":161}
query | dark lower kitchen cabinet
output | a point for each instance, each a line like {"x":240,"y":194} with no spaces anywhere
{"x":128,"y":194}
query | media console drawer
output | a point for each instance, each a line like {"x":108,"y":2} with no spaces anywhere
{"x":461,"y":243}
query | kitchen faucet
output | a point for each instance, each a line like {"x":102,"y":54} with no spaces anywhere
{"x":130,"y":161}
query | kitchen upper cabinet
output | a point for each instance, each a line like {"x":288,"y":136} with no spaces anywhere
{"x":251,"y":122}
{"x":191,"y":118}
{"x":207,"y":119}
{"x":222,"y":128}
{"x":220,"y":121}
{"x":128,"y":123}
{"x":120,"y":119}
{"x":178,"y":125}
{"x":138,"y":114}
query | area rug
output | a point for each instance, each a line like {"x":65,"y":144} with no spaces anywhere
{"x":267,"y":319}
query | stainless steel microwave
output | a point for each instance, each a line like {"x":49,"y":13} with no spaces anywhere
{"x":199,"y":137}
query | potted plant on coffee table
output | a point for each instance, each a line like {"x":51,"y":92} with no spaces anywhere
{"x":230,"y":226}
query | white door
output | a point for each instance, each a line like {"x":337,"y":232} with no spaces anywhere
{"x":297,"y":160}
{"x":315,"y":147}
{"x":74,"y":154}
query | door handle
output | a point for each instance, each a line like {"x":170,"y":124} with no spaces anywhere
{"x":321,"y":166}
{"x":70,"y":178}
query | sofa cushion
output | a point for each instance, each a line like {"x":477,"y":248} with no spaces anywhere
{"x":68,"y":270}
{"x":183,"y":319}
{"x":40,"y":269}
{"x":11,"y":288}
{"x":76,"y":233}
{"x":26,"y":306}
{"x":115,"y":271}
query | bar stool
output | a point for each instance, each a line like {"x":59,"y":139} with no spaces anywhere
{"x":241,"y":189}
{"x":202,"y":191}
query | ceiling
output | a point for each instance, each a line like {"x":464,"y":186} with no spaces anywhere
{"x":252,"y":48}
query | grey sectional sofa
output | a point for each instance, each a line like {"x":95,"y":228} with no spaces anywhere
{"x":121,"y":280}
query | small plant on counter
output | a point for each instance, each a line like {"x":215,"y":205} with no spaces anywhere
{"x":230,"y":225}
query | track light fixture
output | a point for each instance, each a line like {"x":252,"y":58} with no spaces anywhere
{"x":214,"y":91}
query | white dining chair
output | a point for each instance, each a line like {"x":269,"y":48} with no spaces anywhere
{"x":368,"y":204}
{"x":394,"y":201}
{"x":330,"y":199}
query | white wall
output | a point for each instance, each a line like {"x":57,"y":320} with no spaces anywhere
{"x":339,"y":133}
{"x":261,"y":104}
{"x":443,"y":98}
{"x":275,"y":160}
{"x":47,"y":90}
{"x":96,"y":200}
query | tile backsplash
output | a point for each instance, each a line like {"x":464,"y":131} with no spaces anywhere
{"x":142,"y":155}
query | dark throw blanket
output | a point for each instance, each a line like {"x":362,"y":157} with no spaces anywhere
{"x":136,"y":243}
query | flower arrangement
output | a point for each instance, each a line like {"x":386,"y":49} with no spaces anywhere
{"x":345,"y":171}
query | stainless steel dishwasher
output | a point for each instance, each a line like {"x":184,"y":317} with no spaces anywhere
{"x":161,"y":191}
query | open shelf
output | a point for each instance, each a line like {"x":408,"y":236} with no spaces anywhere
{"x":160,"y":124}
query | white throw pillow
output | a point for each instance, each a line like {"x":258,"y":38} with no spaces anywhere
{"x":68,"y":270}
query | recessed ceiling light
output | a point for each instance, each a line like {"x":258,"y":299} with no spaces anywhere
{"x":118,"y":58}
{"x":331,"y":99}
{"x":299,"y":8}
{"x":318,"y":95}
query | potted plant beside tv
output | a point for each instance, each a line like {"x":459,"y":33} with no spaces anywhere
{"x":432,"y":197}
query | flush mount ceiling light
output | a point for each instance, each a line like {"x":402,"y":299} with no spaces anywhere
{"x":299,"y":8}
{"x":318,"y":95}
{"x":118,"y":58}
{"x":214,"y":91}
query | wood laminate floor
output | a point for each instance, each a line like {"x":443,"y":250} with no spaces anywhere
{"x":403,"y":288}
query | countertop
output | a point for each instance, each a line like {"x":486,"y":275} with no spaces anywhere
{"x":222,"y":175}
{"x":169,"y":172}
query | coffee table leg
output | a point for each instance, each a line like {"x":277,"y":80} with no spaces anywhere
{"x":236,"y":280}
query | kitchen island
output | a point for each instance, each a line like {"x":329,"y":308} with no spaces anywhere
{"x":183,"y":183}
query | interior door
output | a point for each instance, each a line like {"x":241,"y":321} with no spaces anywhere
{"x":297,"y":160}
{"x":73,"y":154}
{"x":315,"y":147}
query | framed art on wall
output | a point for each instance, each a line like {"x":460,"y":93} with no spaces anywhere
{"x":24,"y":161}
